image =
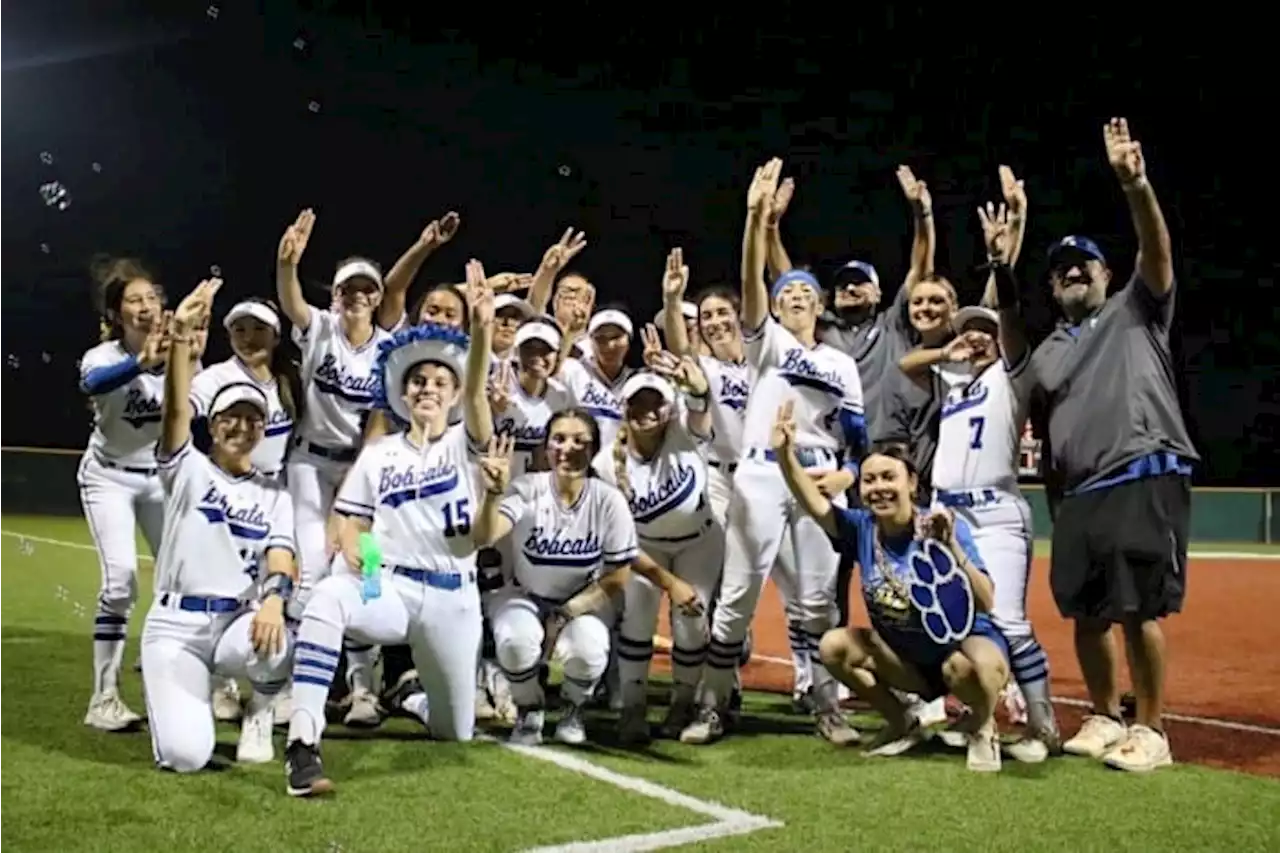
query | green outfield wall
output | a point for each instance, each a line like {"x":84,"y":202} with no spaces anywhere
{"x":43,"y":482}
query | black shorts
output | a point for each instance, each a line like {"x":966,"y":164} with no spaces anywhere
{"x":1121,"y":552}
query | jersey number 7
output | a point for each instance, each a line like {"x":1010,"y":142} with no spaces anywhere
{"x":976,"y":425}
{"x":457,"y":518}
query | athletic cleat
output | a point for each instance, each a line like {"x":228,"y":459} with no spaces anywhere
{"x":679,"y":715}
{"x":733,"y":713}
{"x":571,"y":730}
{"x":304,"y":771}
{"x":1098,"y":735}
{"x":226,"y":702}
{"x":633,"y":727}
{"x":930,"y":713}
{"x":364,"y":712}
{"x":835,"y":729}
{"x":107,"y":712}
{"x":707,"y":728}
{"x":255,"y":746}
{"x":283,"y":707}
{"x":393,"y":700}
{"x":1034,"y":747}
{"x":1142,"y":750}
{"x":892,"y":741}
{"x":528,"y":728}
{"x":983,"y":750}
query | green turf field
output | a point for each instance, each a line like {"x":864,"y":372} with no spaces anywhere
{"x":68,"y":788}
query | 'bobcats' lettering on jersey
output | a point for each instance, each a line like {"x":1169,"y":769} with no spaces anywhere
{"x":733,"y":393}
{"x":278,"y":424}
{"x":600,"y":404}
{"x":962,"y":398}
{"x":555,"y":550}
{"x":399,"y":486}
{"x":247,"y":522}
{"x":670,"y":493}
{"x":332,"y":378}
{"x":528,"y":437}
{"x":140,"y":408}
{"x":799,"y":370}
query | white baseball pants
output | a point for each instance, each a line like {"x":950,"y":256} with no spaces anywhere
{"x":182,"y":652}
{"x":582,"y":649}
{"x":442,"y":625}
{"x":116,"y":503}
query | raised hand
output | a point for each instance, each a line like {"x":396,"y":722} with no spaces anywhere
{"x":780,"y":201}
{"x":676,"y":279}
{"x":479,"y":296}
{"x":784,"y":427}
{"x":155,"y":348}
{"x":1014,"y":192}
{"x":508,"y":282}
{"x":294,"y":241}
{"x":995,"y":231}
{"x":957,"y":351}
{"x":1124,"y":153}
{"x":559,"y":254}
{"x":764,"y":186}
{"x":495,"y":464}
{"x":499,"y":387}
{"x":196,"y":306}
{"x":916,"y":190}
{"x":684,"y":372}
{"x":579,"y":318}
{"x":652,"y":342}
{"x":440,"y":231}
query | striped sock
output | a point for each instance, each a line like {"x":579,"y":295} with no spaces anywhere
{"x":315,"y":660}
{"x":801,"y":663}
{"x":108,"y":650}
{"x":1030,"y":668}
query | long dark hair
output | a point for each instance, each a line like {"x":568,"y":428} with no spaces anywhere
{"x":902,"y":452}
{"x":717,"y":291}
{"x":111,"y":275}
{"x":593,"y":431}
{"x":285,"y":365}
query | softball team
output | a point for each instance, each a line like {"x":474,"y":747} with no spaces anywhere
{"x":524,"y":496}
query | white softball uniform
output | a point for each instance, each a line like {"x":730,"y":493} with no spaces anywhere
{"x":120,"y":491}
{"x":824,"y":386}
{"x":420,"y":502}
{"x":975,"y":472}
{"x":268,"y":456}
{"x":670,"y":502}
{"x":338,"y":383}
{"x":559,"y":551}
{"x":593,"y":392}
{"x":218,"y":529}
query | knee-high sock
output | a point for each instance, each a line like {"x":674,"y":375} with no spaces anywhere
{"x":108,"y":650}
{"x":1030,"y":667}
{"x":686,"y":672}
{"x":633,"y":658}
{"x":360,"y":660}
{"x":800,"y":656}
{"x":315,"y":661}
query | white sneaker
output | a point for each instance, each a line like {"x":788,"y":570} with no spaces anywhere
{"x":1097,"y":736}
{"x":528,"y":728}
{"x":707,"y":728}
{"x":107,"y":712}
{"x":892,"y":741}
{"x":572,"y":730}
{"x":930,"y":713}
{"x":226,"y":702}
{"x":282,"y":708}
{"x":255,"y":746}
{"x":364,"y":713}
{"x":835,"y":729}
{"x":984,"y":750}
{"x":1143,"y":750}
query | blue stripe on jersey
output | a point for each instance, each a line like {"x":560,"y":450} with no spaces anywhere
{"x":278,"y":429}
{"x":667,"y":497}
{"x":796,"y":380}
{"x":975,"y":396}
{"x":421,"y":491}
{"x":343,"y":393}
{"x":608,"y":414}
{"x":566,"y":561}
{"x":244,"y":524}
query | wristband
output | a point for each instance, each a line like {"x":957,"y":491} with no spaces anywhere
{"x":697,"y":404}
{"x":276,"y":583}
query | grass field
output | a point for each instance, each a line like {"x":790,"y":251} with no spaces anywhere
{"x":774,"y":787}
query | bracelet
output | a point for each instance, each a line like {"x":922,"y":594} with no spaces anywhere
{"x":276,"y":583}
{"x":697,"y":403}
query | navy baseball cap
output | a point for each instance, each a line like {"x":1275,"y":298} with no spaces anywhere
{"x":1080,"y":245}
{"x":855,"y":272}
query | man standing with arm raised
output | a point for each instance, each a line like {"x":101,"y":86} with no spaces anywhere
{"x":1122,"y":459}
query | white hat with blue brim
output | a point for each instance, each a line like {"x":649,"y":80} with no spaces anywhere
{"x":428,"y":342}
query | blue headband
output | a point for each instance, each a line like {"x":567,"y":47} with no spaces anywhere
{"x":795,"y":277}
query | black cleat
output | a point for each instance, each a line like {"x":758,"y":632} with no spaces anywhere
{"x":393,"y":700}
{"x":304,"y":771}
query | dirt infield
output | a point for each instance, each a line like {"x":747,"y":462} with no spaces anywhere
{"x":1224,"y":660}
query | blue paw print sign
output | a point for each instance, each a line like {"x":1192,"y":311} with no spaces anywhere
{"x":940,"y":590}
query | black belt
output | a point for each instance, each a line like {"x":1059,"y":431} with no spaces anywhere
{"x":107,"y":463}
{"x":730,"y":467}
{"x":333,"y":454}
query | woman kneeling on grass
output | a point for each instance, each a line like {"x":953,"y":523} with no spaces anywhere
{"x":928,"y":596}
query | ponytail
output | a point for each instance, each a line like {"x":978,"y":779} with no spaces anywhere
{"x":620,"y":463}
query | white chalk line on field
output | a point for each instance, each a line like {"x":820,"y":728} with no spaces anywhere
{"x":1212,"y":722}
{"x":726,"y":822}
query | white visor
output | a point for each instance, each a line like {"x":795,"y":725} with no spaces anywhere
{"x":974,"y":312}
{"x":687,"y":310}
{"x":544,"y":332}
{"x":237,"y":392}
{"x":611,"y":317}
{"x":650,"y":381}
{"x":257,"y":310}
{"x":356,"y":269}
{"x":510,"y":300}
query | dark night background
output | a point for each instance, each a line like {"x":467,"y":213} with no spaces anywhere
{"x":207,"y":145}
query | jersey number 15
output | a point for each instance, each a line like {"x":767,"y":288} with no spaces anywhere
{"x":457,"y":518}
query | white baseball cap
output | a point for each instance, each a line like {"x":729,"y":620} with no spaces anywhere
{"x":235,"y":393}
{"x":356,"y":269}
{"x":687,"y":310}
{"x":257,"y":310}
{"x":539,"y":330}
{"x":610,"y":317}
{"x":646,"y":380}
{"x":973,"y":312}
{"x":510,"y":300}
